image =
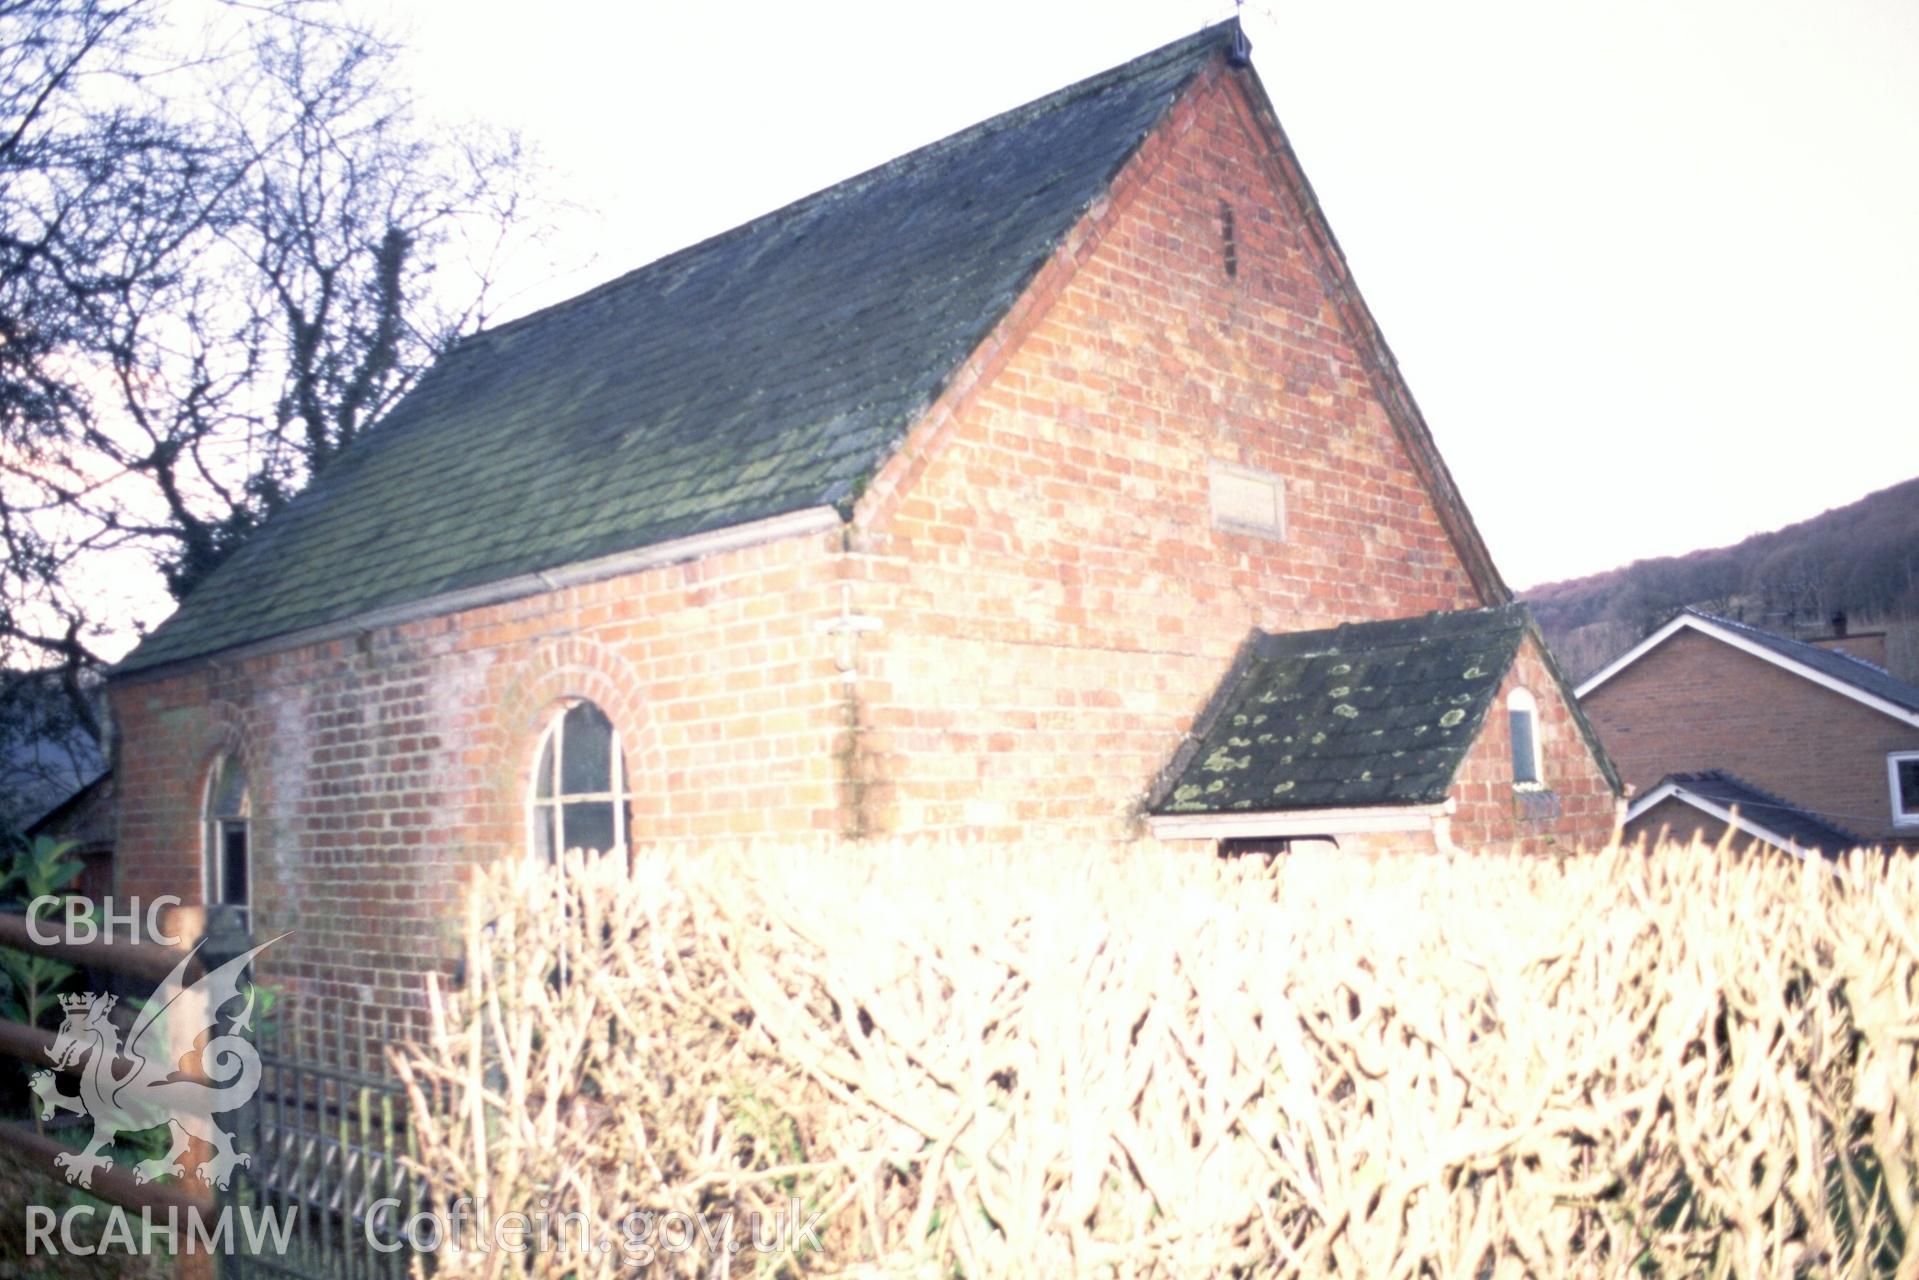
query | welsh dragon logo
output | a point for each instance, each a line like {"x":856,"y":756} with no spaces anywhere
{"x":139,"y":1086}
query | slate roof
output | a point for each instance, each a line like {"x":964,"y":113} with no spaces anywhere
{"x":767,"y":370}
{"x":1808,"y":830}
{"x":41,"y":773}
{"x":1865,"y":676}
{"x":87,"y":818}
{"x":45,"y":756}
{"x":1368,"y":713}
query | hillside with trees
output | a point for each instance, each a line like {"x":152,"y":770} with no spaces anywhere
{"x":1862,"y":559}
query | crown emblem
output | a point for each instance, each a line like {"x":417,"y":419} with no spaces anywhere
{"x":85,"y":1002}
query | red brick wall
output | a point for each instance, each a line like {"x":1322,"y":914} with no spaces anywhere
{"x":1055,"y":602}
{"x":1053,"y":606}
{"x":1577,"y":808}
{"x":382,"y":767}
{"x":1694,"y":702}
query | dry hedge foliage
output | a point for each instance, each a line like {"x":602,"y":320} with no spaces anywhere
{"x":986,"y":1062}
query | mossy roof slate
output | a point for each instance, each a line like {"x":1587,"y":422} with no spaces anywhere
{"x":1364,"y":714}
{"x":767,"y":370}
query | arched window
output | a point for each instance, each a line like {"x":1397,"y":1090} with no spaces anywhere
{"x":579,"y":786}
{"x":229,"y":810}
{"x":1522,"y":713}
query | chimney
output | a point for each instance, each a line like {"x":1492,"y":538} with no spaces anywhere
{"x":1867,"y":646}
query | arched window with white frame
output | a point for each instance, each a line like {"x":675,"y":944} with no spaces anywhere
{"x":579,"y":797}
{"x":1522,"y":715}
{"x":227,"y":819}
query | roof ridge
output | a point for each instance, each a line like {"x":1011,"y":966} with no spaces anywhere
{"x":1363,"y":626}
{"x":1217,"y":33}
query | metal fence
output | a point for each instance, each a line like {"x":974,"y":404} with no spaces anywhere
{"x":324,"y":1136}
{"x":327,"y":1133}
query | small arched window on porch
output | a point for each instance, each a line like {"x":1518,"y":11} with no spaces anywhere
{"x":579,"y":786}
{"x":1522,"y":714}
{"x":229,"y":813}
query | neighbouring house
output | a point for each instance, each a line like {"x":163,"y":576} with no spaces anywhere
{"x":47,"y":752}
{"x":939,"y":501}
{"x":1720,"y":725}
{"x":53,"y":773}
{"x":85,"y":822}
{"x":1713,"y":805}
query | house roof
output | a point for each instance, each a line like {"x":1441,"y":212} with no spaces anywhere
{"x":42,"y":772}
{"x":87,"y":817}
{"x":1841,"y":672}
{"x":1364,"y":714}
{"x":45,"y":754}
{"x":1865,"y":676}
{"x":1757,"y":812}
{"x":767,"y":370}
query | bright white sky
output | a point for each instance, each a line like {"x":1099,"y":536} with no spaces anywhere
{"x":1652,"y":269}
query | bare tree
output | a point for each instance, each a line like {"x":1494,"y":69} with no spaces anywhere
{"x":221,"y":259}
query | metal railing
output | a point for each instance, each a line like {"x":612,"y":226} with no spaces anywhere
{"x":324,"y":1136}
{"x":328,"y":1136}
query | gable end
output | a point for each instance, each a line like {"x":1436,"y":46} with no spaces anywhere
{"x":1389,"y":385}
